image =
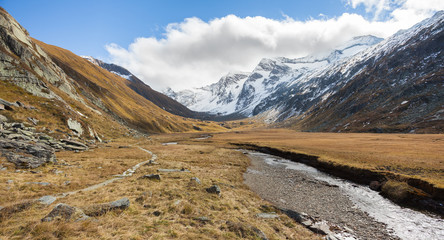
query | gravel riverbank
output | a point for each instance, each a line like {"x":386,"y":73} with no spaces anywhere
{"x":299,"y":192}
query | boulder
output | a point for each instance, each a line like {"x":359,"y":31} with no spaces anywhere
{"x":375,"y":185}
{"x":197,"y":128}
{"x":40,"y":183}
{"x":151,"y":177}
{"x":47,"y":200}
{"x":213,"y":189}
{"x":173,"y":170}
{"x":195,"y":181}
{"x":26,"y":155}
{"x":75,"y":126}
{"x":3,"y":118}
{"x":65,"y":212}
{"x":15,"y":208}
{"x":33,"y":120}
{"x":100,"y":209}
{"x":267,"y":215}
{"x":246,"y":231}
{"x":74,"y":143}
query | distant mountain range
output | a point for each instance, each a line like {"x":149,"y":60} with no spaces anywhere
{"x":367,"y":84}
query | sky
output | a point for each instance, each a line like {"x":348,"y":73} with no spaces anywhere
{"x":184,"y":44}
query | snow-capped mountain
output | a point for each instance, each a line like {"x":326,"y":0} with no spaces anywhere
{"x":368,"y":83}
{"x":241,"y":92}
{"x":217,"y":98}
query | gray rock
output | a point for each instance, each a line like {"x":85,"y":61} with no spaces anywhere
{"x":3,"y":118}
{"x":100,"y":209}
{"x":195,"y":180}
{"x":47,"y":200}
{"x":16,"y":136}
{"x":267,"y":215}
{"x":151,"y":177}
{"x":33,"y":120}
{"x":39,"y":183}
{"x":18,"y":125}
{"x":74,"y":143}
{"x":375,"y":185}
{"x":203,"y":219}
{"x":6,"y":103}
{"x":75,"y":126}
{"x":65,"y":212}
{"x":2,"y":107}
{"x":213,"y":189}
{"x":26,"y":155}
{"x":173,"y":170}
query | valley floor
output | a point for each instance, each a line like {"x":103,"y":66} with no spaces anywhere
{"x":176,"y":206}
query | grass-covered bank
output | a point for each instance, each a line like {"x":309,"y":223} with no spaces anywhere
{"x":172,"y":208}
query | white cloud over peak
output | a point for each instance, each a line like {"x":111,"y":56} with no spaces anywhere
{"x":194,"y":53}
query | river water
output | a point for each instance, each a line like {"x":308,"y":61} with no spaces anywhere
{"x":403,"y":223}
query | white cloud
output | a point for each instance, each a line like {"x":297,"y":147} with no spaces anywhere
{"x":195,"y":53}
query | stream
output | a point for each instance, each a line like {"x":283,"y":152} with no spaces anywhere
{"x":355,"y":211}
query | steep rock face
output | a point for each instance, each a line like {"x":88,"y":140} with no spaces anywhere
{"x":396,"y":86}
{"x":161,"y":100}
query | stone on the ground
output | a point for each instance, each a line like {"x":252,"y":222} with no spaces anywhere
{"x":213,"y":189}
{"x":100,"y":209}
{"x":173,"y":170}
{"x":267,"y":215}
{"x":15,"y":208}
{"x":195,"y":180}
{"x":151,"y":177}
{"x":246,"y":231}
{"x":65,"y":212}
{"x":26,"y":155}
{"x":47,"y":200}
{"x":3,"y":119}
{"x":39,"y":183}
{"x":33,"y":120}
{"x":203,"y":219}
{"x":75,"y":126}
{"x":375,"y":185}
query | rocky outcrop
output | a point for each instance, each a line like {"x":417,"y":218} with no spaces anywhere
{"x":65,"y":212}
{"x":100,"y":209}
{"x":27,"y":148}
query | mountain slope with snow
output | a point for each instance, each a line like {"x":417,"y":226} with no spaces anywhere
{"x":366,"y":84}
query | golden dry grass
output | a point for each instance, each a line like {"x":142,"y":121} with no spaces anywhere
{"x":416,"y":155}
{"x":118,"y":97}
{"x":179,"y":203}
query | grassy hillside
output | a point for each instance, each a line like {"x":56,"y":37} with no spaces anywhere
{"x":113,"y":95}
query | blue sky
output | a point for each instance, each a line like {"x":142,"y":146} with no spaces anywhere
{"x":86,"y":26}
{"x":183,"y":44}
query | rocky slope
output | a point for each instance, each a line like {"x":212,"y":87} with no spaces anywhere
{"x":72,"y":95}
{"x":365,"y":85}
{"x":161,"y":100}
